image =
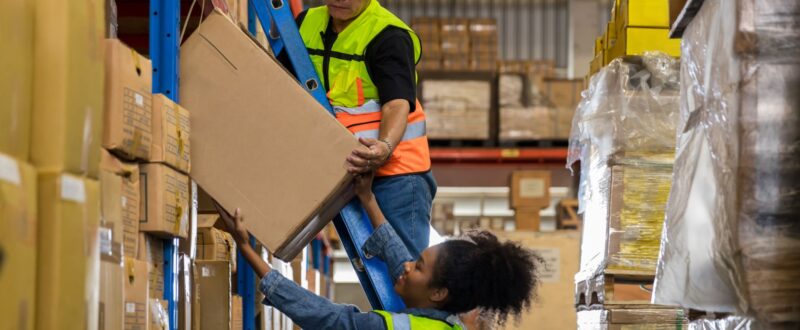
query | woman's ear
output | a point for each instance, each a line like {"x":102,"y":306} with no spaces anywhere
{"x":439,"y":295}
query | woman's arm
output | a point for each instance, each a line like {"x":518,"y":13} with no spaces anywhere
{"x":363,"y":189}
{"x":236,"y":227}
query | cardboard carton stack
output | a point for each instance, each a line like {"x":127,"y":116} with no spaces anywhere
{"x":429,"y":31}
{"x":457,"y":109}
{"x":483,"y":44}
{"x":455,"y":44}
{"x":530,"y":193}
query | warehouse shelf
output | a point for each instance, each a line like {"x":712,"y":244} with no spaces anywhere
{"x":499,"y":155}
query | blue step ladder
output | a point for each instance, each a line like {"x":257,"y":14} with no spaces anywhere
{"x":352,"y":223}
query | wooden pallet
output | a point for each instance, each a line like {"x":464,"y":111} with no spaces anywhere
{"x":614,"y":288}
{"x":567,"y":214}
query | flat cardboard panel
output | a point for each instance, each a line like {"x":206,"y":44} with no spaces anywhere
{"x":165,"y":210}
{"x":127,"y":126}
{"x":68,"y":208}
{"x":112,"y":302}
{"x":555,"y":308}
{"x":171,"y":144}
{"x":16,"y":31}
{"x":68,"y":82}
{"x":120,"y":202}
{"x":252,"y":124}
{"x":214,"y":292}
{"x":18,"y":242}
{"x":137,"y":312}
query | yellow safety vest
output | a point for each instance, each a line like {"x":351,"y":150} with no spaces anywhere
{"x":351,"y":91}
{"x":396,"y":321}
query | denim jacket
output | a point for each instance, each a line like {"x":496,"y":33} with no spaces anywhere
{"x":310,"y":311}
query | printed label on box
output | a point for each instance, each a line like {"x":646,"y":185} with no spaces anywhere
{"x":551,"y":272}
{"x":72,"y":189}
{"x":207,"y":271}
{"x":9,"y":170}
{"x":531,"y":188}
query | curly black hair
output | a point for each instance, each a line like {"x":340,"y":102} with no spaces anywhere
{"x":479,"y":271}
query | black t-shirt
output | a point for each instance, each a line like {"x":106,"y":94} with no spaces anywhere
{"x":390,"y":62}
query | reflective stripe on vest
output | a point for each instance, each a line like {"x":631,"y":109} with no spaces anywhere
{"x":400,"y":321}
{"x":413,"y":131}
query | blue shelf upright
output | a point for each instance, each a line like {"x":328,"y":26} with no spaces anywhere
{"x":164,"y":47}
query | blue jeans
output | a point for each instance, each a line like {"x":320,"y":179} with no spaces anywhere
{"x":406,"y":203}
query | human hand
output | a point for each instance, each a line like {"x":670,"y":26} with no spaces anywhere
{"x":368,"y":157}
{"x":235,"y":225}
{"x":363,"y":185}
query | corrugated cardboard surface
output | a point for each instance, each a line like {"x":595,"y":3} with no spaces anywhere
{"x":236,"y":313}
{"x":69,"y":207}
{"x":151,"y":250}
{"x":170,"y":134}
{"x":259,"y":141}
{"x":214,"y":294}
{"x":120,"y":201}
{"x":112,"y":304}
{"x":16,"y":31}
{"x":127,"y":128}
{"x":17,"y":243}
{"x":555,"y":308}
{"x":165,"y":201}
{"x":530,"y":189}
{"x":137,"y":313}
{"x":68,"y":86}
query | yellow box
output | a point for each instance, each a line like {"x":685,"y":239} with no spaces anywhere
{"x":599,"y":45}
{"x":636,"y":41}
{"x":69,"y":213}
{"x":16,"y":31}
{"x":17,"y":243}
{"x":67,"y":113}
{"x":643,"y":13}
{"x":610,"y":36}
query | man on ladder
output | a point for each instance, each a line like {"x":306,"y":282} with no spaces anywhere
{"x":365,"y":57}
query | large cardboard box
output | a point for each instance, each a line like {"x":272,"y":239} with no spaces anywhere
{"x":272,"y":128}
{"x":137,"y":311}
{"x":164,"y":209}
{"x":638,"y":13}
{"x":16,"y":31}
{"x":69,"y":213}
{"x":170,"y":134}
{"x":530,"y":189}
{"x":68,"y":86}
{"x":151,"y":250}
{"x":237,"y":322}
{"x":127,"y":129}
{"x":214,"y":292}
{"x":112,"y":304}
{"x":555,"y":308}
{"x":119,"y":183}
{"x":214,"y":244}
{"x":18,"y":242}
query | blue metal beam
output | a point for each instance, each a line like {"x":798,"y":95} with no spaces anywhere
{"x":246,"y":282}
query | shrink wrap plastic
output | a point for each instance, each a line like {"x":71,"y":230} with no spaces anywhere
{"x":623,"y":134}
{"x":732,"y":229}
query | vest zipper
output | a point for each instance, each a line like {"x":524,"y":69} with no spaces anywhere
{"x":326,"y":60}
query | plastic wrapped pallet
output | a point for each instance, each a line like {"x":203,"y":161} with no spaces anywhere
{"x":732,"y":236}
{"x":727,"y":323}
{"x":457,"y":109}
{"x":623,"y":134}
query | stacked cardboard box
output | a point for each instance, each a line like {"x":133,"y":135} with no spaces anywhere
{"x":483,"y":44}
{"x":563,"y":96}
{"x":455,"y":44}
{"x":530,"y":193}
{"x":428,"y":30}
{"x":457,"y":109}
{"x":625,"y":317}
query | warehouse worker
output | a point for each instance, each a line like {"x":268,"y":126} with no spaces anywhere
{"x":447,"y":279}
{"x":365,"y":57}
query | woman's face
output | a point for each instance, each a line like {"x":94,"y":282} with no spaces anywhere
{"x":414,"y":285}
{"x":345,"y":10}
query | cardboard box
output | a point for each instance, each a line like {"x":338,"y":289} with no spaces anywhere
{"x":170,"y":134}
{"x":638,"y":13}
{"x":527,"y":218}
{"x":68,"y":86}
{"x":636,"y":41}
{"x":214,"y":244}
{"x":159,"y":318}
{"x":16,"y":31}
{"x":112,"y":303}
{"x":69,"y":213}
{"x":18,"y":242}
{"x":137,"y":311}
{"x":151,"y":250}
{"x":527,"y":123}
{"x":127,"y":129}
{"x":555,"y":307}
{"x":530,"y":189}
{"x":237,"y":322}
{"x":164,"y":209}
{"x":287,"y":213}
{"x":457,"y":109}
{"x":214,"y":292}
{"x":119,"y":183}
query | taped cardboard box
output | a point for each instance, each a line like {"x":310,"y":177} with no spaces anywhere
{"x":170,"y":134}
{"x":111,"y":301}
{"x":214,"y":244}
{"x":69,"y":213}
{"x":127,"y":129}
{"x":151,"y":250}
{"x":527,"y":123}
{"x":164,"y":209}
{"x":555,"y":308}
{"x":223,"y":68}
{"x":18,"y":243}
{"x":68,"y":86}
{"x":119,"y":183}
{"x":137,"y":315}
{"x":457,"y":109}
{"x":16,"y":31}
{"x":236,"y":313}
{"x":214,"y":294}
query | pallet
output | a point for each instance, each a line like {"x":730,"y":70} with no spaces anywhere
{"x":567,"y":214}
{"x":625,"y":288}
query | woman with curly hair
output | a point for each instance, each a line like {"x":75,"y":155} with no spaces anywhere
{"x":458,"y":276}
